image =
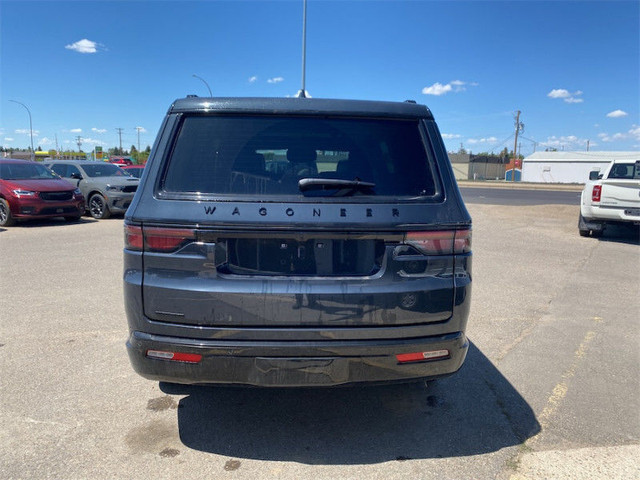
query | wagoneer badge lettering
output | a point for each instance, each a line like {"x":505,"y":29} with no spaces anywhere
{"x":290,"y":212}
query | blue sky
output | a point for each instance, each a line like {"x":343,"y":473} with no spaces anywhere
{"x":88,"y":68}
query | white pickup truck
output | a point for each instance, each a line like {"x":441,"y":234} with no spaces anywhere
{"x":612,"y":197}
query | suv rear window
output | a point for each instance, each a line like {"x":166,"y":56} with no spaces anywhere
{"x":267,"y":155}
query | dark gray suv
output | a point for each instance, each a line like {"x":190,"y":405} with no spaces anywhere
{"x":107,"y":188}
{"x":297,"y":242}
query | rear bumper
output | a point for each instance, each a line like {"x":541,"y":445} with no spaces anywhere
{"x":294,"y":363}
{"x":595,"y":214}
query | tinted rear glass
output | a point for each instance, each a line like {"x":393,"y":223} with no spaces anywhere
{"x":268,"y":155}
{"x":25,"y":171}
{"x":104,"y":170}
{"x":625,"y":170}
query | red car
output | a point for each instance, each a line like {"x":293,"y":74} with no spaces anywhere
{"x":121,"y":161}
{"x":29,"y":190}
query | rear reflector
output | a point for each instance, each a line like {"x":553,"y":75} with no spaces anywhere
{"x":596,"y":193}
{"x":174,"y":356}
{"x":422,"y":356}
{"x":445,"y":242}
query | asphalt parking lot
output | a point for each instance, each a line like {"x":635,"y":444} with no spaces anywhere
{"x":550,"y":388}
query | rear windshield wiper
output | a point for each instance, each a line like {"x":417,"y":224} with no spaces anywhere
{"x":337,"y":187}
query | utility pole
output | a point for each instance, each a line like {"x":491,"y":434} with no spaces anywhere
{"x":79,"y":142}
{"x":519,"y":127}
{"x":588,"y":145}
{"x":57,"y":151}
{"x":138,"y":153}
{"x":119,"y":130}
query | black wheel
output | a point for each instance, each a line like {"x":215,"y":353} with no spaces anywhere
{"x":98,"y":207}
{"x":582,"y":227}
{"x":6,"y":219}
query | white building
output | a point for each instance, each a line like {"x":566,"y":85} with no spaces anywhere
{"x":568,"y":167}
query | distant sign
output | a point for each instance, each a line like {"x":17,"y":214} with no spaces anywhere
{"x":98,"y":151}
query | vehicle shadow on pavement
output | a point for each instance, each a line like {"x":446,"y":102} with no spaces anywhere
{"x":53,"y":222}
{"x":473,"y":412}
{"x":622,"y":234}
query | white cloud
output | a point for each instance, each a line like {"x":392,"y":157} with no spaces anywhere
{"x":558,"y":93}
{"x":98,"y":130}
{"x":83,"y":46}
{"x":92,"y":141}
{"x":617,"y":114}
{"x":45,"y":141}
{"x":76,"y":130}
{"x":8,"y":139}
{"x":566,"y":95}
{"x":474,"y":141}
{"x":453,"y":86}
{"x":275,"y":80}
{"x":569,"y":142}
{"x":253,"y":79}
{"x":25,"y":131}
{"x":142,"y":129}
{"x":437,"y":89}
{"x":632,"y":134}
{"x":450,"y":136}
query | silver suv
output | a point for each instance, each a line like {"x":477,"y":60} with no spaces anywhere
{"x":106,"y":187}
{"x":297,"y":242}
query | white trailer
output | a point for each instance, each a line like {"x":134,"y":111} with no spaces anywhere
{"x":568,"y":167}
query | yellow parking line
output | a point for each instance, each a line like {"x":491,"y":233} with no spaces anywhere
{"x":560,"y":390}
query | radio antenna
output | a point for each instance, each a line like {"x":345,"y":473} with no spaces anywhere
{"x":303,"y":93}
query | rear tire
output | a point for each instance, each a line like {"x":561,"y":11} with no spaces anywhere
{"x":98,"y":207}
{"x":6,"y":219}
{"x":582,"y":227}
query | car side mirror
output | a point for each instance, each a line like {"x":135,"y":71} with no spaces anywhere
{"x":594,"y":175}
{"x":76,"y":176}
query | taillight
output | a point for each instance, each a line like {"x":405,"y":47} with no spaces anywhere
{"x":596,"y":193}
{"x":166,"y":239}
{"x":133,"y":237}
{"x":156,"y":239}
{"x":445,"y":242}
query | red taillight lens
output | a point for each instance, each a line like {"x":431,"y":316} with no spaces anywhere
{"x":462,"y":242}
{"x":175,"y":356}
{"x":596,"y":193}
{"x":422,"y":356}
{"x":444,"y":242}
{"x":154,"y":239}
{"x":166,"y":239}
{"x":133,"y":237}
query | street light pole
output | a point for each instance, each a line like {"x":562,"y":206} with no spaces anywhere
{"x":30,"y":128}
{"x":205,"y":82}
